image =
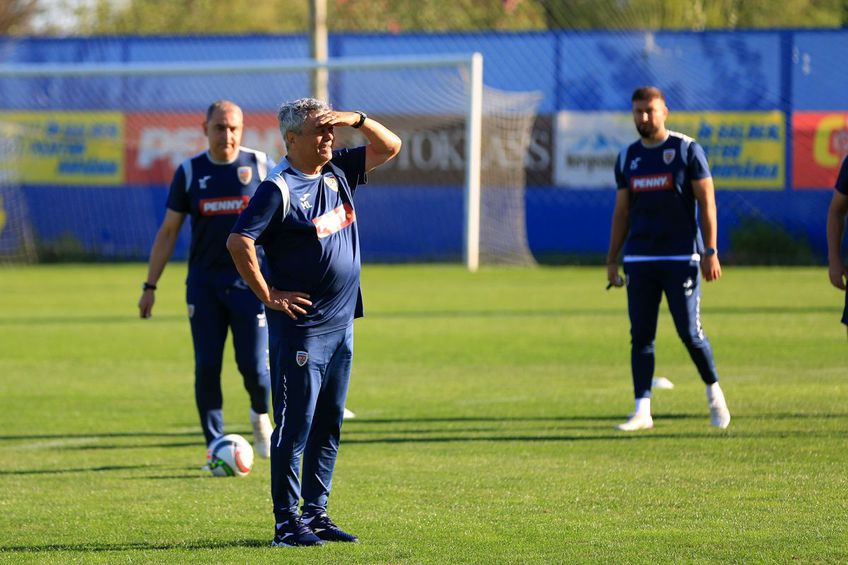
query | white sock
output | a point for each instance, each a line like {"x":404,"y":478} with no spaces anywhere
{"x":643,"y":406}
{"x":714,"y":391}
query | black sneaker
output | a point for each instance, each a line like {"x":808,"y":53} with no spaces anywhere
{"x":294,"y":533}
{"x":325,"y":529}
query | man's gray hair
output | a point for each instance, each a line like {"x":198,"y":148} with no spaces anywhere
{"x":292,"y":115}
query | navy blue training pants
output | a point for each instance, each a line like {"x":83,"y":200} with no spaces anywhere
{"x":311,"y":376}
{"x":680,"y":282}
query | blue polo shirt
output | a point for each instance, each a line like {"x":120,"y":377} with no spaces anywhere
{"x":663,"y":217}
{"x":307,"y":227}
{"x":213,"y":194}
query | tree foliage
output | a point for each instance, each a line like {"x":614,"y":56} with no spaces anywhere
{"x":692,"y":14}
{"x":169,"y":17}
{"x":16,"y":16}
{"x":398,"y":16}
{"x":196,"y":17}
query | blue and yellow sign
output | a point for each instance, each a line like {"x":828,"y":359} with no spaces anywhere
{"x":69,"y":148}
{"x":744,"y":149}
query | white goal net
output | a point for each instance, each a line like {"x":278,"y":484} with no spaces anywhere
{"x":89,"y":179}
{"x":17,"y":244}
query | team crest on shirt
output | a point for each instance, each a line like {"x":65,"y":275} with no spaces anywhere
{"x":331,"y":182}
{"x":668,"y":156}
{"x":245,"y":174}
{"x":301,"y":357}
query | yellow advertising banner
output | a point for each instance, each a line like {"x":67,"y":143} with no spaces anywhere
{"x":68,"y":148}
{"x":745,"y":149}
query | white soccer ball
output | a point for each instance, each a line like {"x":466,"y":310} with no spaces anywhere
{"x":229,"y":456}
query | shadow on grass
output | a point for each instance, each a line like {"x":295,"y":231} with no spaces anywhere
{"x":180,"y":473}
{"x":493,"y":419}
{"x":199,"y":476}
{"x":91,"y":441}
{"x":602,"y":312}
{"x":433,"y":434}
{"x":617,"y":436}
{"x":133,"y":546}
{"x":93,"y":435}
{"x":74,"y":470}
{"x":100,"y":447}
{"x":97,"y":320}
{"x":708,"y":434}
{"x":603,"y":418}
{"x":365,"y":435}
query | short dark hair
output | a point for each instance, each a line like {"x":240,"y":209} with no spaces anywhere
{"x":220,"y":105}
{"x":646,"y":94}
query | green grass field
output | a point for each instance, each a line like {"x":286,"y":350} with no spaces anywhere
{"x":485,"y":403}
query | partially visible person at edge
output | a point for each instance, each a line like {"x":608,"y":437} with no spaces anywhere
{"x":662,"y":179}
{"x":837,"y":268}
{"x":304,"y":217}
{"x":212,"y":188}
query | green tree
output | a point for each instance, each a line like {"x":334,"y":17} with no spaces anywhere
{"x":289,"y":16}
{"x":201,"y":17}
{"x":692,"y":14}
{"x":145,"y":17}
{"x":398,"y":16}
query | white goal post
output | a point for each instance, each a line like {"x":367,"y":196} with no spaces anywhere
{"x":468,"y":98}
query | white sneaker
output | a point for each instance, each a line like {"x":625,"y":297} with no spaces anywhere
{"x":662,"y":383}
{"x":637,"y":422}
{"x":348,"y":415}
{"x":261,"y":434}
{"x":719,"y":414}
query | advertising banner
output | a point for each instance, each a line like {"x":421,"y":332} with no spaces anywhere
{"x":745,"y":149}
{"x":819,"y":144}
{"x":433,"y":151}
{"x":586,"y":146}
{"x":156,"y":143}
{"x":69,"y":148}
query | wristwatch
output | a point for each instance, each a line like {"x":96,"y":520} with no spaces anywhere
{"x":362,"y":118}
{"x":709,"y":251}
{"x":148,"y":286}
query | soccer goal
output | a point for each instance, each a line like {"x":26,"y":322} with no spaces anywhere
{"x":100,"y":143}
